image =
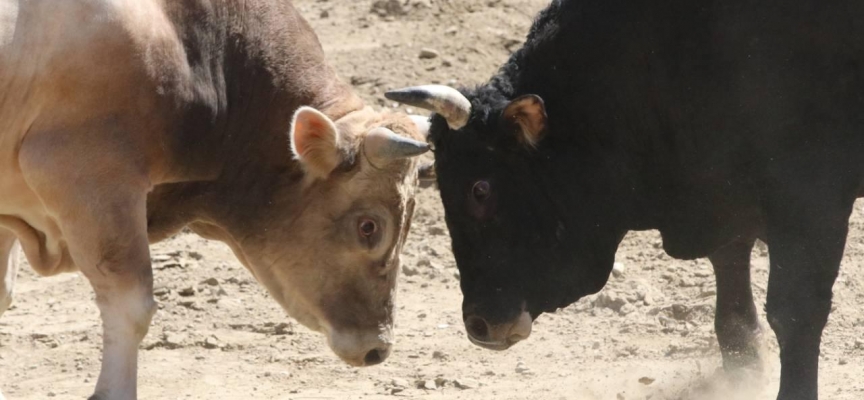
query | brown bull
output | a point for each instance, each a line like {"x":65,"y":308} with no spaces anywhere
{"x":121,"y":122}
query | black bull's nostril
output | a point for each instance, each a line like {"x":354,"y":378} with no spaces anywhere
{"x":374,"y":356}
{"x":477,"y":327}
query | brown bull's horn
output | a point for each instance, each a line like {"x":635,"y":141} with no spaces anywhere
{"x":444,"y":100}
{"x":382,"y":145}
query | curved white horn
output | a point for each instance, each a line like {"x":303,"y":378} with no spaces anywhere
{"x":382,"y":144}
{"x":444,"y":100}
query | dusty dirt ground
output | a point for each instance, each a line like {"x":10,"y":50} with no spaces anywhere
{"x":647,"y":335}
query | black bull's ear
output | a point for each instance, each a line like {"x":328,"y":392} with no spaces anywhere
{"x":526,"y":117}
{"x":426,"y":174}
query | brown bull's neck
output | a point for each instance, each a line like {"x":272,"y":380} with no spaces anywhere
{"x":253,"y":64}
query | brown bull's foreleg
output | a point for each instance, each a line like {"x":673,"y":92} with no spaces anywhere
{"x":96,"y":188}
{"x":107,"y":238}
{"x":8,"y":268}
{"x":736,"y":320}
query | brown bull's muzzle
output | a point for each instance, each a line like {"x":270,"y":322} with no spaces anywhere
{"x":361,"y":348}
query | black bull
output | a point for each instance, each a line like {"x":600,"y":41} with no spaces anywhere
{"x":714,"y":122}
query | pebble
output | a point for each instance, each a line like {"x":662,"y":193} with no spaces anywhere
{"x":212,"y":343}
{"x":686,"y":282}
{"x":190,"y":304}
{"x":210,"y":281}
{"x":408,"y":270}
{"x":429,"y":385}
{"x":521,"y":368}
{"x":648,"y":300}
{"x":626,"y":309}
{"x":174,"y":339}
{"x":437,"y":230}
{"x":188,"y":291}
{"x":283,"y":328}
{"x":439,"y":355}
{"x":680,"y":311}
{"x":399,"y":383}
{"x":421,"y":3}
{"x":466,"y":383}
{"x":427,"y":53}
{"x":618,"y":270}
{"x":646,"y":380}
{"x":388,"y":8}
{"x":611,"y":300}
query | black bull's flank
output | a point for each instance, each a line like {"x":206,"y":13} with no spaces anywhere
{"x":716,"y":123}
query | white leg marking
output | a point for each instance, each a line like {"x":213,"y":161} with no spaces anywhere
{"x":8,"y":272}
{"x":125,"y":320}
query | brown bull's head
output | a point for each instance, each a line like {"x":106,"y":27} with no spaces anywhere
{"x":333,"y":230}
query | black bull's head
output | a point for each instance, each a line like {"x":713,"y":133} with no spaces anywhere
{"x":531,"y":231}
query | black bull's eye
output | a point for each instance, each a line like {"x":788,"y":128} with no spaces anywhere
{"x":481,"y":190}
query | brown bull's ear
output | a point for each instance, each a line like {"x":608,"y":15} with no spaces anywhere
{"x":314,"y":142}
{"x":526,"y":115}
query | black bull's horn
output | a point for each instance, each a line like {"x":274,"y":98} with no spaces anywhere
{"x":444,"y":100}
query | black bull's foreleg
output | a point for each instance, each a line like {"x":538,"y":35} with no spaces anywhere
{"x":736,"y":321}
{"x":807,"y":227}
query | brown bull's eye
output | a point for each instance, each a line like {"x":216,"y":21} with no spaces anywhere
{"x":481,"y":191}
{"x":367,"y":227}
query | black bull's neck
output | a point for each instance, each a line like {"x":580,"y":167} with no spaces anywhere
{"x":641,"y":123}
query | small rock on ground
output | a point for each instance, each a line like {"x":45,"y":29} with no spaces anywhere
{"x":428,"y":53}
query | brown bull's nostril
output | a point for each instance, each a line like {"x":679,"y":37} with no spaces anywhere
{"x":477,"y":328}
{"x":374,"y":356}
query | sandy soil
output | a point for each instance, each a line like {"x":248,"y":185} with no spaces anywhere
{"x":647,"y":335}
